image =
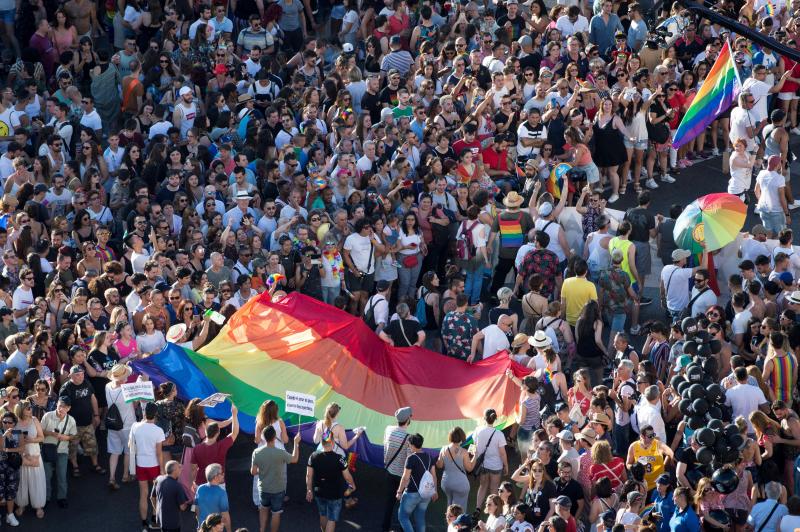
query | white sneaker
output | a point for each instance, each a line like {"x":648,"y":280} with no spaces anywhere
{"x":715,"y":152}
{"x":11,"y":519}
{"x":651,"y":184}
{"x":629,"y":179}
{"x":613,"y":198}
{"x":643,"y":171}
{"x":666,"y":178}
{"x":795,"y":130}
{"x":794,"y":205}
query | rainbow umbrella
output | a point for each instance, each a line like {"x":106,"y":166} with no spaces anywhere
{"x":715,"y":219}
{"x":556,"y":181}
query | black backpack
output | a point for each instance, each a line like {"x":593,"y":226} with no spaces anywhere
{"x":547,"y":396}
{"x":369,"y":312}
{"x":75,"y":139}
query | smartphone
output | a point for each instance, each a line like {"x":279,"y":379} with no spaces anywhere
{"x":316,"y":262}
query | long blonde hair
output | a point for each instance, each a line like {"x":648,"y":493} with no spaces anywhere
{"x":331,"y":411}
{"x":267,"y":413}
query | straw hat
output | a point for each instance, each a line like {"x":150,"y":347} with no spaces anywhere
{"x":513,"y":200}
{"x":176,"y":332}
{"x":120,"y":371}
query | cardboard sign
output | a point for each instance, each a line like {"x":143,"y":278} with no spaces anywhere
{"x":138,"y":391}
{"x":214,"y":399}
{"x":300,"y":403}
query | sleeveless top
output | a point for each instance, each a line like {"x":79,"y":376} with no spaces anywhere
{"x":532,"y":416}
{"x":599,"y":257}
{"x":780,"y":380}
{"x":740,"y":498}
{"x":789,"y":451}
{"x":622,"y":245}
{"x":452,"y":468}
{"x":771,"y":146}
{"x":336,"y":447}
{"x":651,"y":459}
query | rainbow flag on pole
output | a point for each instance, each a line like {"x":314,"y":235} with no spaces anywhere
{"x":715,"y":96}
{"x":303,"y":345}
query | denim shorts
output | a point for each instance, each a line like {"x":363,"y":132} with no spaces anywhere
{"x":329,"y":508}
{"x":773,"y":221}
{"x":273,"y":501}
{"x":618,"y":322}
{"x":8,"y":16}
{"x":638,"y":145}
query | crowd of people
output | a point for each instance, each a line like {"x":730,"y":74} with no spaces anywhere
{"x":164,"y":163}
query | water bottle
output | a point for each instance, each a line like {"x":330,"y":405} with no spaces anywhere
{"x":215,"y":316}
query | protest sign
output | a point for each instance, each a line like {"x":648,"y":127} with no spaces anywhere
{"x":138,"y":391}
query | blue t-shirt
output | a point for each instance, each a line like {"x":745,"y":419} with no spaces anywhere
{"x":664,"y":506}
{"x":210,"y":499}
{"x":685,"y":521}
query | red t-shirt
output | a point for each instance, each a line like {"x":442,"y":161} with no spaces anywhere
{"x":204,"y":455}
{"x":614,"y":470}
{"x":676,"y":102}
{"x":494,"y":160}
{"x":460,"y":145}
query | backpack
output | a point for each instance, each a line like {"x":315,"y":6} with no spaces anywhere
{"x":75,"y":139}
{"x":426,"y":488}
{"x":465,"y":247}
{"x":547,"y":396}
{"x":369,"y":312}
{"x":510,"y":231}
{"x":421,"y":312}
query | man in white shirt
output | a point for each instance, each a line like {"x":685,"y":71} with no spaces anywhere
{"x":744,"y":121}
{"x":494,"y":339}
{"x":531,"y":134}
{"x":7,"y":160}
{"x":744,"y":398}
{"x":573,"y":22}
{"x":359,"y":258}
{"x":702,"y":294}
{"x":146,"y":440}
{"x":674,"y":285}
{"x":205,"y":18}
{"x":91,"y":118}
{"x":757,"y":86}
{"x":753,"y":247}
{"x":648,"y":412}
{"x":379,"y":305}
{"x":23,"y":297}
{"x":741,"y":320}
{"x":58,"y":198}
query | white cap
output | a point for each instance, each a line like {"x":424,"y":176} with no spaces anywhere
{"x":347,"y":48}
{"x":184,"y":91}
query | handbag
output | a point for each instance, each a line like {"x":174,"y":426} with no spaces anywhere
{"x":478,"y":469}
{"x":31,"y":460}
{"x":14,"y":460}
{"x":410,"y":261}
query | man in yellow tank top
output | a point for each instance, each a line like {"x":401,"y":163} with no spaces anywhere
{"x":651,"y":453}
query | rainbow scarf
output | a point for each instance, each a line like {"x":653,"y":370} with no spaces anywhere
{"x":303,"y":345}
{"x":716,"y":95}
{"x":337,"y":264}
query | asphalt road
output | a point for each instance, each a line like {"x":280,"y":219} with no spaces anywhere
{"x":93,"y":507}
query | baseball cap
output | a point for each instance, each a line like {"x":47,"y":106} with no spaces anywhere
{"x":680,"y":254}
{"x":564,"y":501}
{"x":786,"y":277}
{"x":403,"y":414}
{"x":393,"y":72}
{"x":545,"y":208}
{"x":525,"y":40}
{"x":758,"y":229}
{"x":664,"y":480}
{"x":184,"y":91}
{"x":76,"y":369}
{"x":394,"y":40}
{"x":566,"y":435}
{"x":347,"y":48}
{"x":39,"y":188}
{"x":161,"y":286}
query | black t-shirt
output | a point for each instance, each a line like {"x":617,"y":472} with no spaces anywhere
{"x":532,"y":60}
{"x":388,"y":95}
{"x":396,"y":331}
{"x":372,"y":103}
{"x":328,"y":479}
{"x":642,"y":221}
{"x":572,"y":490}
{"x":418,"y":463}
{"x":81,"y":398}
{"x":539,"y":502}
{"x":482,"y":75}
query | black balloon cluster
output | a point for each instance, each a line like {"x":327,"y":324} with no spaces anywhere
{"x":703,"y":406}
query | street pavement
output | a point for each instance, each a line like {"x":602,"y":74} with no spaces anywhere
{"x":93,"y":507}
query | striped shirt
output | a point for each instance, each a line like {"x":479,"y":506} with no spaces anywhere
{"x":401,"y":60}
{"x":393,"y":438}
{"x":780,"y":380}
{"x":659,"y":356}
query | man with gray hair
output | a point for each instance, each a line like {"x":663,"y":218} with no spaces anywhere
{"x":218,"y":272}
{"x":169,"y":498}
{"x":648,"y":412}
{"x":493,"y":337}
{"x":624,"y":393}
{"x":404,"y":330}
{"x":767,"y":514}
{"x":744,"y":121}
{"x":211,"y":497}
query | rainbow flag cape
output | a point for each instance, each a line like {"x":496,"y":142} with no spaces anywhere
{"x":304,"y":345}
{"x":769,"y":9}
{"x":715,"y":96}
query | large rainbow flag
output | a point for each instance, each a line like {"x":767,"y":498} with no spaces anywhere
{"x":716,"y":95}
{"x":303,"y":345}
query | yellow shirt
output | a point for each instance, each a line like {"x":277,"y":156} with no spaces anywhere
{"x":652,"y":460}
{"x":577,"y":291}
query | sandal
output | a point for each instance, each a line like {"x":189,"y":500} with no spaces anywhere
{"x":76,"y":473}
{"x":113,"y":486}
{"x":127,"y":478}
{"x":39,"y":513}
{"x":99,"y":469}
{"x":637,"y":188}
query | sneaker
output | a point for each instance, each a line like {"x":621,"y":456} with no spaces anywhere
{"x":154,"y":523}
{"x":651,"y":184}
{"x":635,"y":330}
{"x":795,"y":204}
{"x":643,"y":302}
{"x":666,"y":178}
{"x":613,"y":198}
{"x":643,"y":171}
{"x":795,"y":130}
{"x":629,"y":179}
{"x":691,"y":156}
{"x":11,"y":519}
{"x":686,"y":162}
{"x":715,"y":152}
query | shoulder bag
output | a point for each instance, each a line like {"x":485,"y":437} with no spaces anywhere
{"x":397,"y":452}
{"x":687,"y":312}
{"x":478,"y":469}
{"x":769,"y":516}
{"x":454,"y":461}
{"x":49,"y":451}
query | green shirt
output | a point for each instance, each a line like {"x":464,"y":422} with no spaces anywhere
{"x":271,"y":463}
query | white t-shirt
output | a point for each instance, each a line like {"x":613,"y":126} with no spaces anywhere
{"x":380,"y":309}
{"x":529,"y":132}
{"x":60,"y":202}
{"x":115,"y":396}
{"x":752,"y":248}
{"x":771,"y":184}
{"x":702,"y":303}
{"x":21,"y":300}
{"x":494,"y":340}
{"x":568,"y":28}
{"x":408,"y":240}
{"x":138,"y":260}
{"x":760,"y":91}
{"x":92,"y":120}
{"x":741,"y":119}
{"x":744,"y":399}
{"x":491,"y":460}
{"x":739,"y":325}
{"x":676,"y":283}
{"x":359,"y":248}
{"x":146,"y":436}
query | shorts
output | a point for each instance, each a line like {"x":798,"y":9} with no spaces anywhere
{"x":329,"y":508}
{"x":147,"y":473}
{"x":638,"y":145}
{"x":487,"y":471}
{"x":787,"y":96}
{"x":643,"y":261}
{"x":661,"y":148}
{"x":117,"y":441}
{"x":738,"y":517}
{"x":773,"y":221}
{"x":9,"y":16}
{"x":272,"y":501}
{"x":361,"y":283}
{"x":9,"y":481}
{"x":87,"y":441}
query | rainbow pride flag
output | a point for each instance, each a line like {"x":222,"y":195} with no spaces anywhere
{"x":304,"y":345}
{"x":769,"y":9}
{"x":716,"y":95}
